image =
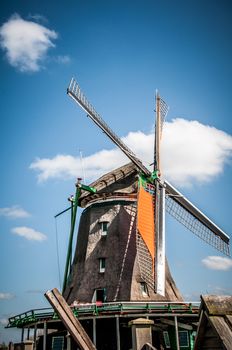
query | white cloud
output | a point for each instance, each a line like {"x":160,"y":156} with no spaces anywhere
{"x":35,"y":291}
{"x":66,"y":166}
{"x":191,"y":153}
{"x":6,"y":296}
{"x":65,"y":59}
{"x":4,"y":321}
{"x":38,"y":18}
{"x":217,"y":263}
{"x":25,"y":42}
{"x":29,"y":233}
{"x":14,"y":212}
{"x":218,"y":290}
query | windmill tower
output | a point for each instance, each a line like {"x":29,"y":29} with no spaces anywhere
{"x":120,"y":252}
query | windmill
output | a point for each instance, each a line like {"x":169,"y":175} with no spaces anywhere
{"x":155,"y":196}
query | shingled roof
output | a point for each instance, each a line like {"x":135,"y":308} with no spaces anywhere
{"x":121,"y":181}
{"x":215,"y":324}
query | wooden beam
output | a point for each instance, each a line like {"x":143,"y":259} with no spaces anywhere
{"x":118,"y":333}
{"x":22,"y":335}
{"x":94,"y":332}
{"x":217,"y":305}
{"x":177,"y":333}
{"x":34,"y":337}
{"x":45,"y":336}
{"x":180,"y":324}
{"x":69,"y":320}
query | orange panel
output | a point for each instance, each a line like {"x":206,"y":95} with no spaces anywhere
{"x":145,"y":219}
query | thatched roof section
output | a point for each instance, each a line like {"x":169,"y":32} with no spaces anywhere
{"x":121,"y":181}
{"x":215,"y":325}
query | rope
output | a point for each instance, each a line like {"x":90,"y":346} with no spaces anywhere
{"x":57,"y":253}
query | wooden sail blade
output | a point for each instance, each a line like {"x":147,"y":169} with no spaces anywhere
{"x":192,"y":218}
{"x":146,"y":219}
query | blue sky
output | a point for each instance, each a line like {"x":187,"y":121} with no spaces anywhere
{"x":119,"y":52}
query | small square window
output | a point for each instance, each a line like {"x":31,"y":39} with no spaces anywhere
{"x":102,"y":265}
{"x":183,"y":339}
{"x":104,"y":228}
{"x":99,"y":295}
{"x":57,"y":343}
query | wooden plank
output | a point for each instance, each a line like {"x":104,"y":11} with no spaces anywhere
{"x":228,"y":319}
{"x":71,"y":323}
{"x":222,"y":329}
{"x":73,"y":319}
{"x":200,"y":330}
{"x":180,"y":324}
{"x":212,"y":343}
{"x":218,"y":305}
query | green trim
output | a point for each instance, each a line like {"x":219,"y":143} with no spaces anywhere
{"x":69,"y":252}
{"x":74,"y":206}
{"x":39,"y":315}
{"x":88,"y":188}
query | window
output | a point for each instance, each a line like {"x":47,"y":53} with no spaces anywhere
{"x":57,"y":343}
{"x":102,"y":265}
{"x":144,"y":289}
{"x":99,"y":295}
{"x":183,"y":339}
{"x":166,"y":340}
{"x":104,"y":228}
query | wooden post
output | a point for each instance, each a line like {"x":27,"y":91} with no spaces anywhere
{"x":22,"y":335}
{"x":45,"y":336}
{"x":72,"y":324}
{"x":68,"y":341}
{"x":35,"y":334}
{"x":94,"y":332}
{"x":177,"y":333}
{"x":118,"y":333}
{"x":28,"y":333}
{"x":141,"y":332}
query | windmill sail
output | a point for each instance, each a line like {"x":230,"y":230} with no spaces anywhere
{"x":176,"y":204}
{"x":192,"y":218}
{"x":75,"y":92}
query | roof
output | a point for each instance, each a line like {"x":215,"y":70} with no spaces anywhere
{"x":215,"y":324}
{"x":119,"y":181}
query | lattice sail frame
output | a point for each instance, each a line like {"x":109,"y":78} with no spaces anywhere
{"x":195,"y":226}
{"x":164,"y":108}
{"x":145,"y":261}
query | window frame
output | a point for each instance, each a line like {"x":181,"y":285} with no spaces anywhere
{"x":187,"y":345}
{"x":166,"y":340}
{"x":102,"y":265}
{"x":54,"y":338}
{"x":144,"y":289}
{"x":104,"y":225}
